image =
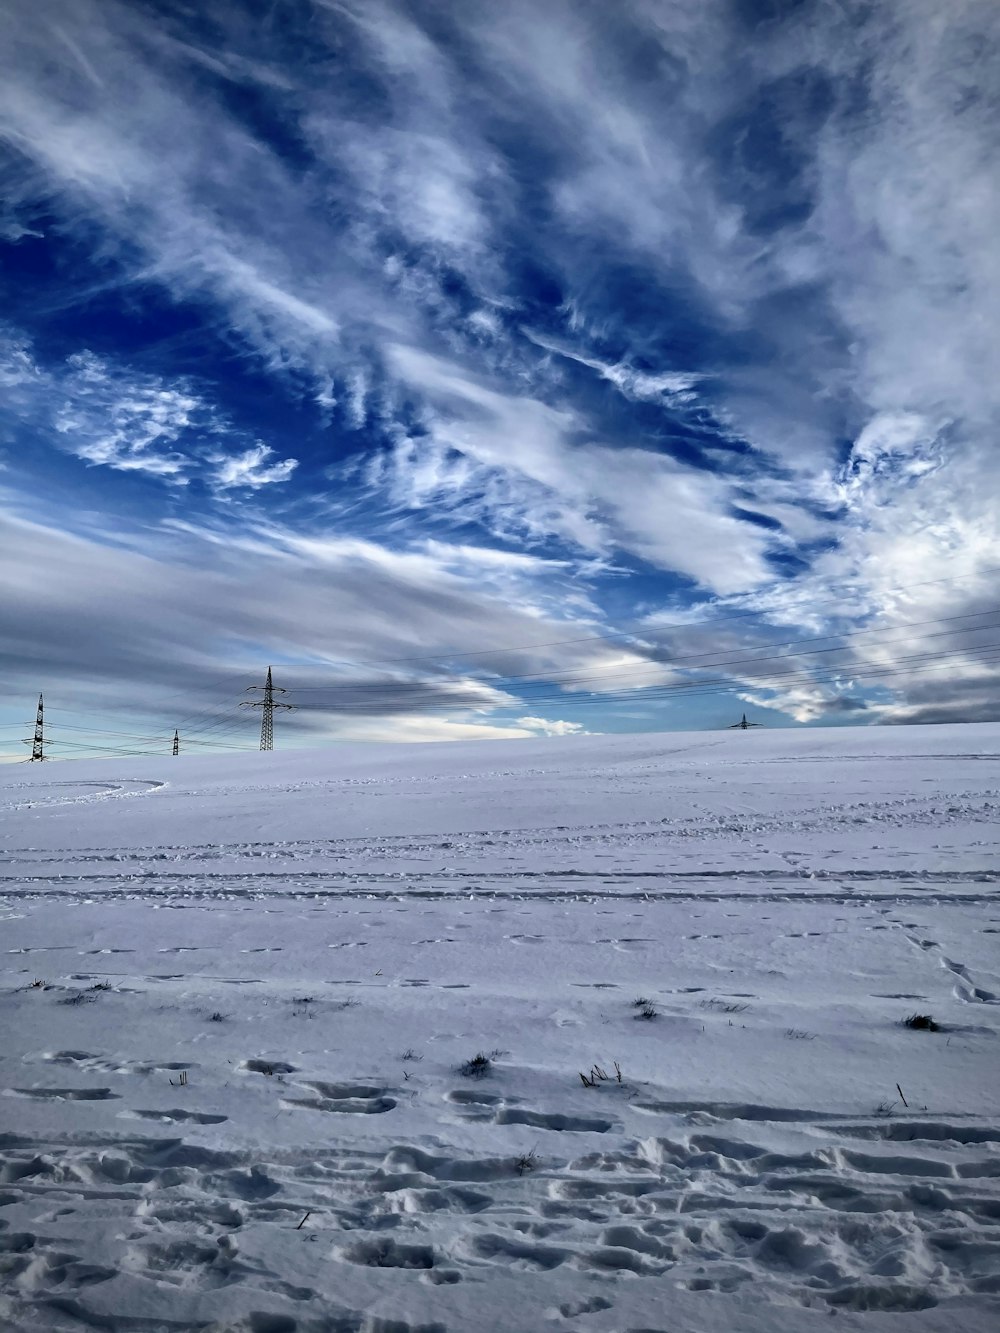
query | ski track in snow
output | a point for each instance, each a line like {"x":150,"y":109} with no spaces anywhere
{"x":231,"y":1094}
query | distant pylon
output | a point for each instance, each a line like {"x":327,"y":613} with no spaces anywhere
{"x":38,"y":741}
{"x":177,"y":744}
{"x":743,"y":724}
{"x":268,"y":705}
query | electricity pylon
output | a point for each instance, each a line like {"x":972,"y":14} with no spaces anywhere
{"x":177,"y":744}
{"x":743,"y":724}
{"x":37,"y":743}
{"x":268,"y":705}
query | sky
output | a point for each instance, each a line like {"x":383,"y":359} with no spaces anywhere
{"x":496,"y":370}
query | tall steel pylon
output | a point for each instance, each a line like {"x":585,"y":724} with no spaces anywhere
{"x":177,"y":743}
{"x":37,"y":743}
{"x":268,"y":705}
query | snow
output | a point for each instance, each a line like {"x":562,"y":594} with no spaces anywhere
{"x":238,"y":993}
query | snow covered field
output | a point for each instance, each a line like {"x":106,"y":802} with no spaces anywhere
{"x":238,"y":994}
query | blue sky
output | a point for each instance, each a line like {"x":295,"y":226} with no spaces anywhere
{"x":498,"y":370}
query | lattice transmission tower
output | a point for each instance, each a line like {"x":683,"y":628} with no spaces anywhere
{"x":177,"y":743}
{"x":37,"y":742}
{"x":268,"y":705}
{"x":744,"y":725}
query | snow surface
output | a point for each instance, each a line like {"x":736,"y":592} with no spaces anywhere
{"x":238,"y":992}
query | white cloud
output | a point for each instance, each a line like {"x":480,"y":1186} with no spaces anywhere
{"x":911,"y":578}
{"x":250,"y":469}
{"x":107,"y":414}
{"x":675,"y":387}
{"x":129,"y":424}
{"x":592,"y":494}
{"x":176,"y":179}
{"x":550,"y":727}
{"x":898,"y":445}
{"x":421,"y":729}
{"x":18,"y":369}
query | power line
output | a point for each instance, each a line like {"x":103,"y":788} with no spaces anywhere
{"x":212,"y":726}
{"x":586,"y":674}
{"x":362,"y":697}
{"x":128,"y":735}
{"x":209,"y":712}
{"x":645,"y":629}
{"x":916,"y":664}
{"x":638,"y":694}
